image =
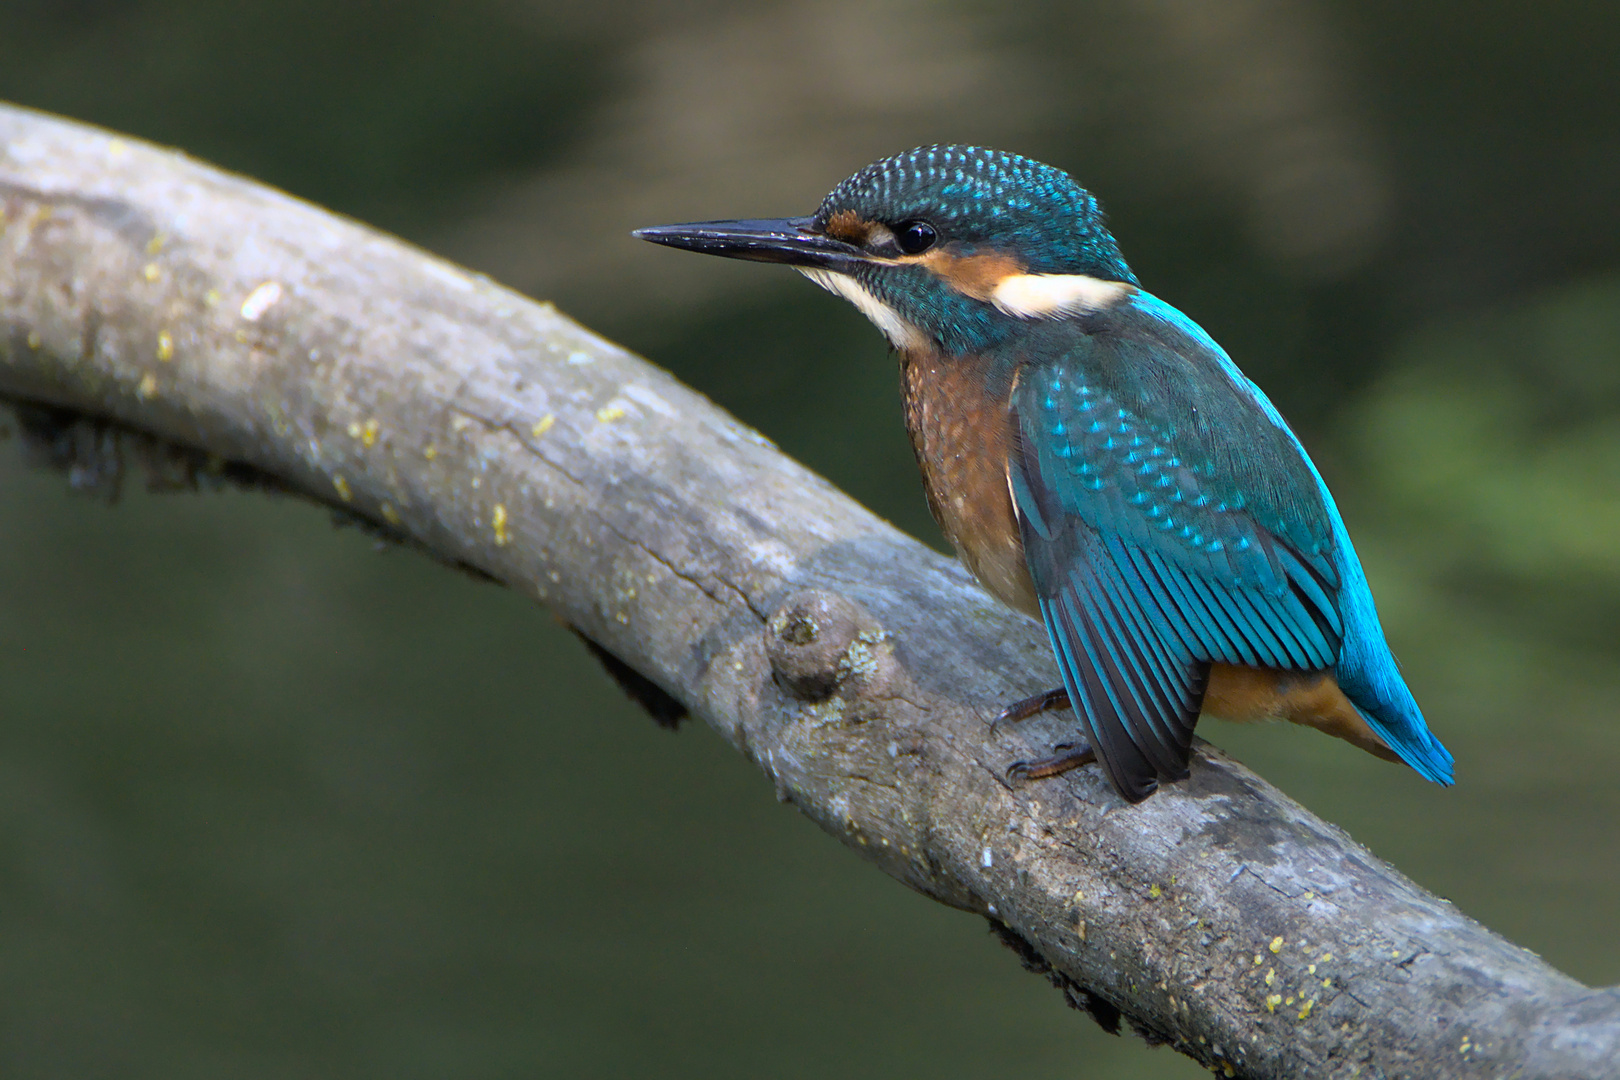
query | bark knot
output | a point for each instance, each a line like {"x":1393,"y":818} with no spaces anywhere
{"x":818,"y":640}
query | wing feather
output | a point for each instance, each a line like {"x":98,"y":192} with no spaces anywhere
{"x":1151,"y":559}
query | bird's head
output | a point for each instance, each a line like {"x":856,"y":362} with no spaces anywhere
{"x":949,"y":246}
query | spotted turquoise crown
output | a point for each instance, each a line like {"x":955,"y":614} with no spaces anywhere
{"x":985,"y":199}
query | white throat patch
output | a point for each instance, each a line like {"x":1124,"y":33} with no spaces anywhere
{"x":1053,"y":296}
{"x":901,"y":333}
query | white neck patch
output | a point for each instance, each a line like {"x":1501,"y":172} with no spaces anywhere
{"x":1054,"y":296}
{"x":902,"y":334}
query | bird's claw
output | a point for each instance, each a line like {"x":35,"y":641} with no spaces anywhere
{"x":1071,"y":756}
{"x":1031,"y":706}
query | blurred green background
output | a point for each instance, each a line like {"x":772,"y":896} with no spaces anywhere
{"x":276,"y":804}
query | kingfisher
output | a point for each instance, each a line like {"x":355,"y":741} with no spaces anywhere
{"x":1101,"y":464}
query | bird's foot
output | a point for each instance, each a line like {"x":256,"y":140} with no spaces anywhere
{"x":1070,"y":757}
{"x":1031,"y":706}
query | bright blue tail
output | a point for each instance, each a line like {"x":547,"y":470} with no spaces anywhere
{"x":1367,"y":671}
{"x":1370,"y":678}
{"x":1402,"y":727}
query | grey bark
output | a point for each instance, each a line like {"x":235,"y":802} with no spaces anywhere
{"x":854,"y":666}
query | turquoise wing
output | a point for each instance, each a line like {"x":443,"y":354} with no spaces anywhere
{"x":1168,"y":522}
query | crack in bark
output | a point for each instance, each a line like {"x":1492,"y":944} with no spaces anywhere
{"x":898,"y":696}
{"x":507,"y":426}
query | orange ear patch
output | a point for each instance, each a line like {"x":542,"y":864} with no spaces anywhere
{"x":972,"y":275}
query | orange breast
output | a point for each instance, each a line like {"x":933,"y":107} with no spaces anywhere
{"x":962,"y":437}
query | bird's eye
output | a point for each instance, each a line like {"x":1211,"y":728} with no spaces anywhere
{"x":915,"y":236}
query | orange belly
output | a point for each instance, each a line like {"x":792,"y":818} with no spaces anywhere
{"x":1311,"y":698}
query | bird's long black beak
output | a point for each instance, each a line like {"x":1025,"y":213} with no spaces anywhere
{"x":780,"y":240}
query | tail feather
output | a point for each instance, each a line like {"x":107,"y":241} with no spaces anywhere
{"x":1367,"y":671}
{"x":1409,"y":737}
{"x":1416,"y":747}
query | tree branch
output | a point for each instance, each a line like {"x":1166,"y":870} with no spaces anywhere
{"x":854,"y":666}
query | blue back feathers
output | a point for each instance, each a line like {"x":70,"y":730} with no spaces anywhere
{"x":1171,"y":519}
